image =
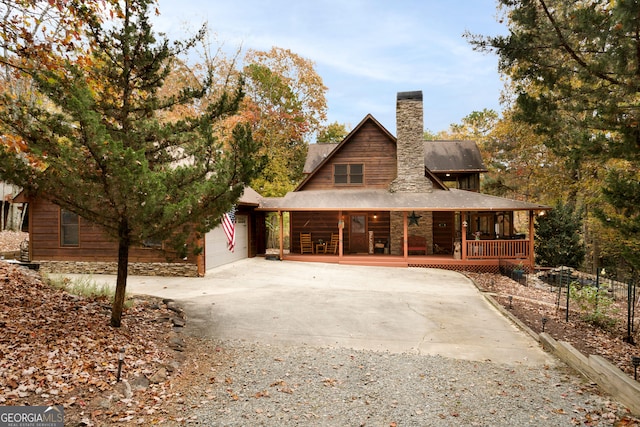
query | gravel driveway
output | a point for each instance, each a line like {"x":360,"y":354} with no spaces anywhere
{"x":318,"y":345}
{"x":265,"y":385}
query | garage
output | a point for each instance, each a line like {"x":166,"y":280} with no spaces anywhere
{"x":216,"y":251}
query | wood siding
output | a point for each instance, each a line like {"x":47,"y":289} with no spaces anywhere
{"x":322,"y":224}
{"x":96,"y":246}
{"x":371,"y":147}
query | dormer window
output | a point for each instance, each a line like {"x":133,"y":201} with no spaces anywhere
{"x":352,"y":173}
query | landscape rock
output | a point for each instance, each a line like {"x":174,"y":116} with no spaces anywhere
{"x":139,"y":383}
{"x":123,"y":388}
{"x":178,"y":322}
{"x":176,"y":343}
{"x":160,"y":376}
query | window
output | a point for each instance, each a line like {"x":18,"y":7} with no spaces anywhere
{"x":348,"y":173}
{"x":152,"y":243}
{"x":491,"y":224}
{"x":469,"y":182}
{"x":69,"y":228}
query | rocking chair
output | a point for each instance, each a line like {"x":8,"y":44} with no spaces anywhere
{"x":332,"y":248}
{"x":306,"y":244}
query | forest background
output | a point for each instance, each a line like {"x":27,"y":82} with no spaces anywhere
{"x":567,"y":134}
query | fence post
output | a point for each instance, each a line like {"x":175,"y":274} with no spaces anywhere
{"x":568,"y":294}
{"x":597,"y":287}
{"x":630,"y":305}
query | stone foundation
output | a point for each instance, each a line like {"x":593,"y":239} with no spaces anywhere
{"x":135,"y":269}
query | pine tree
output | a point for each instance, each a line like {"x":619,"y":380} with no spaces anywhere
{"x":102,"y":146}
{"x":574,"y":68}
{"x":558,"y":237}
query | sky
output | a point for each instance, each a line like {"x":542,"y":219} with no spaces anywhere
{"x":365,"y":51}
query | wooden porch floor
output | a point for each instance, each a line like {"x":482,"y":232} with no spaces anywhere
{"x":446,"y":262}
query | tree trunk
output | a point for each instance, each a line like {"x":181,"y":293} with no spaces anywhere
{"x":121,"y":282}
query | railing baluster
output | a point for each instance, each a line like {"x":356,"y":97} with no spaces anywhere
{"x":490,"y":249}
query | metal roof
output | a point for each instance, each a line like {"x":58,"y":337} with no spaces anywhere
{"x":453,"y":156}
{"x":379,"y":199}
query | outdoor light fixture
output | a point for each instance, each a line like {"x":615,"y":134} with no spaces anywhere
{"x":120,"y":362}
{"x":510,"y":301}
{"x":635,"y":361}
{"x":544,"y":322}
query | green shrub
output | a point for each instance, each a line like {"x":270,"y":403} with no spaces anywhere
{"x":596,"y":306}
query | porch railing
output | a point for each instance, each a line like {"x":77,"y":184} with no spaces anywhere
{"x":497,"y":249}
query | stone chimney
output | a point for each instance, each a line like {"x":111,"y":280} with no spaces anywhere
{"x":410,"y":145}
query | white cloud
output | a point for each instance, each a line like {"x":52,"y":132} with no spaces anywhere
{"x":365,"y":50}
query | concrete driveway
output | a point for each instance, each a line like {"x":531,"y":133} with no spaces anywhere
{"x":425,"y":311}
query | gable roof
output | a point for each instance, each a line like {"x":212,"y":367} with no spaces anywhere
{"x":440,"y":156}
{"x":318,"y":161}
{"x":453,"y":157}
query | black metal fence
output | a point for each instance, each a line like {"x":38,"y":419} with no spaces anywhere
{"x":562,"y":279}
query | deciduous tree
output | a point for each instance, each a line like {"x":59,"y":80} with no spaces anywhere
{"x":333,"y":133}
{"x":285,"y":105}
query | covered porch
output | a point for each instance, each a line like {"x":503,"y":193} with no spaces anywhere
{"x":486,"y":255}
{"x":408,"y":230}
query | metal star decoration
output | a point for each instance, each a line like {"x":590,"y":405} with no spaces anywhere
{"x":413,"y":218}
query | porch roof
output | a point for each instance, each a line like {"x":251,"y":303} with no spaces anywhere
{"x":380,"y":199}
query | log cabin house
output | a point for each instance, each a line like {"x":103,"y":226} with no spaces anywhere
{"x":372,"y":199}
{"x":376,"y":199}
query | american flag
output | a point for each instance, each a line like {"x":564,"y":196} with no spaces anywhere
{"x":229,"y":228}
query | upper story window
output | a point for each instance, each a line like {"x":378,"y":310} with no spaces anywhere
{"x":348,"y":173}
{"x":469,"y":182}
{"x":69,"y":228}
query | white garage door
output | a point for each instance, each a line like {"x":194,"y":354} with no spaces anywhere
{"x":216,"y":252}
